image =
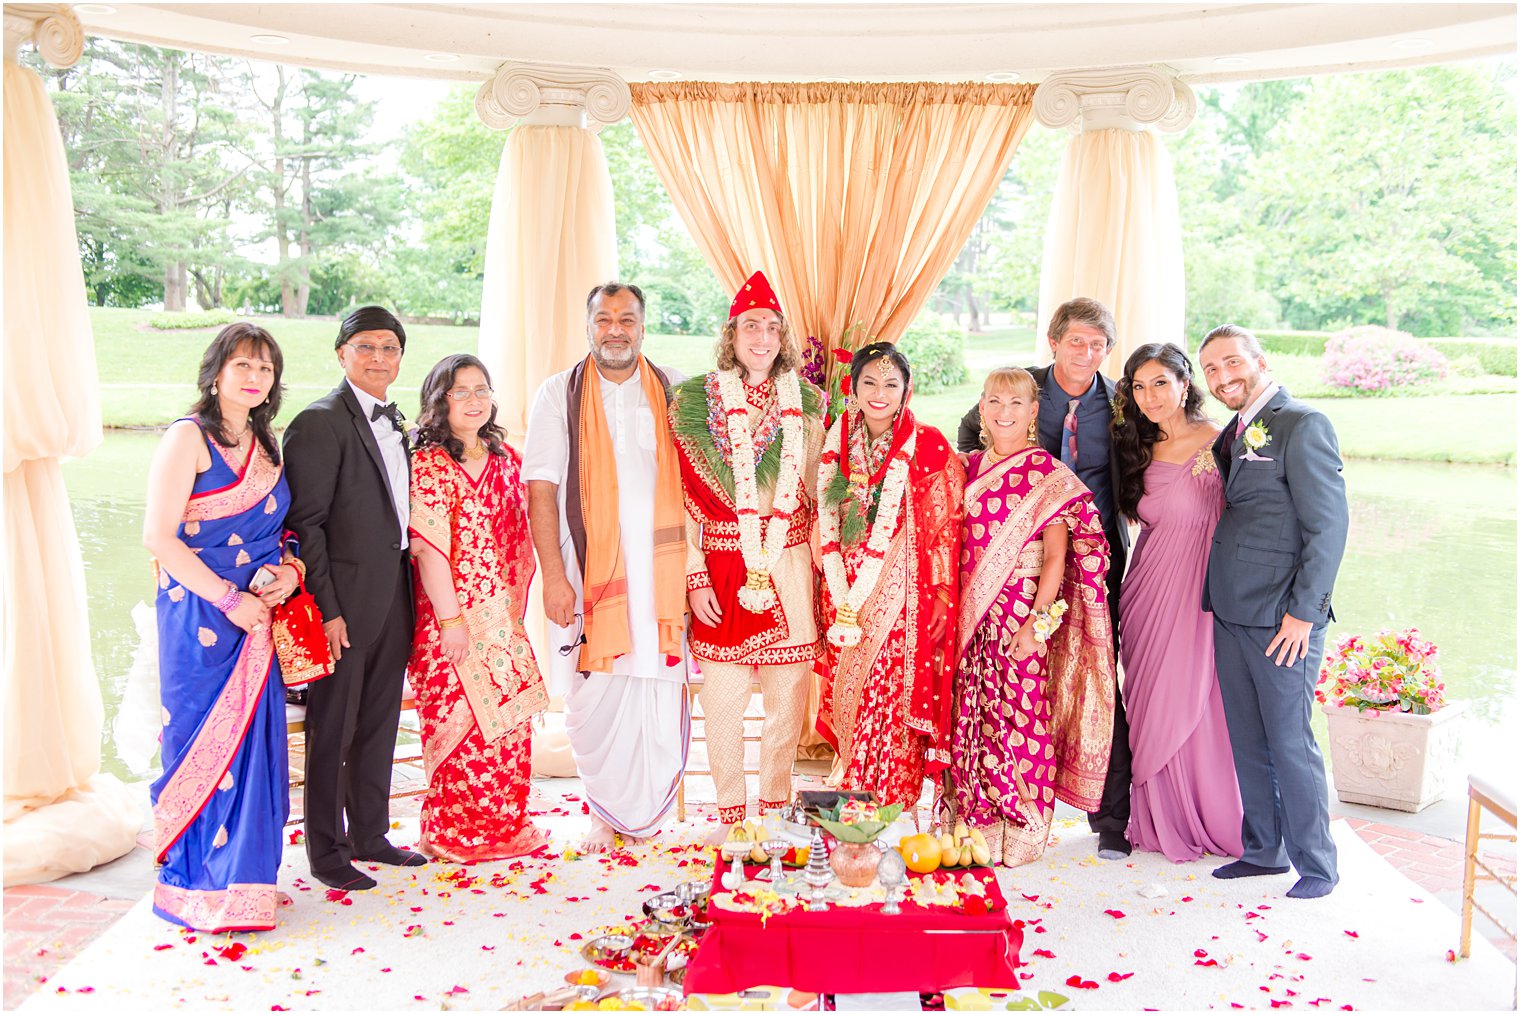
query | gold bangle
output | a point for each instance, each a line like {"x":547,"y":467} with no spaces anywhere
{"x":452,"y":621}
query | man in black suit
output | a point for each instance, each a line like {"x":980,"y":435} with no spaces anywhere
{"x":1075,"y":410}
{"x":346,"y":460}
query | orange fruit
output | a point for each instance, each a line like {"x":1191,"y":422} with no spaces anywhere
{"x":920,"y":852}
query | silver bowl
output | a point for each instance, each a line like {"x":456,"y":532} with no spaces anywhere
{"x":650,"y":996}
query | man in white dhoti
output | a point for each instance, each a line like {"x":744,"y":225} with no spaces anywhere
{"x":605,"y":509}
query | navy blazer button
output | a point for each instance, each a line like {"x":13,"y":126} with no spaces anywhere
{"x":1228,"y":505}
{"x":396,"y":546}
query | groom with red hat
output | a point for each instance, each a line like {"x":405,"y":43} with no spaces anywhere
{"x":748,"y":436}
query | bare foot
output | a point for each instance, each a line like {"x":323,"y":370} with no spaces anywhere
{"x":719,"y":835}
{"x":601,"y":838}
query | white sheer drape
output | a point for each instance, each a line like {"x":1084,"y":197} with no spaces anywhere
{"x":61,"y":814}
{"x":1115,"y":236}
{"x":551,"y":238}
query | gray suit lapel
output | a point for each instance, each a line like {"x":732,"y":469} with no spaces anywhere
{"x":1265,"y":417}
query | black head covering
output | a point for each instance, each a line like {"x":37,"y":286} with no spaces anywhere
{"x":369,"y":318}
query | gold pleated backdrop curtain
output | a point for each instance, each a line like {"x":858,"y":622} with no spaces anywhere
{"x":61,"y":814}
{"x":1115,"y":236}
{"x":551,"y":238}
{"x":854,"y":199}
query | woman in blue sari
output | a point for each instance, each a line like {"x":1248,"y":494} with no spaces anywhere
{"x":215,"y":519}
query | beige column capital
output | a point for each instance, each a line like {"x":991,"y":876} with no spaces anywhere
{"x":552,"y":95}
{"x":1130,"y":98}
{"x":53,"y":28}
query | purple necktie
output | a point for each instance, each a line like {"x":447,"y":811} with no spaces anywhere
{"x":1069,"y":435}
{"x":1240,"y":426}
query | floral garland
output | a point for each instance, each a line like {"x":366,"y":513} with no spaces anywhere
{"x":761,"y":552}
{"x":717,"y":428}
{"x":849,"y":598}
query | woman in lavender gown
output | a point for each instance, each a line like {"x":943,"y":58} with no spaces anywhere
{"x":1185,"y":800}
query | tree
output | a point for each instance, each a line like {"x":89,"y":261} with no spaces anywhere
{"x":1391,"y":198}
{"x":325,"y":204}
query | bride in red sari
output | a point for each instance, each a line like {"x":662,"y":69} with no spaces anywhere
{"x":889,"y":497}
{"x":472,"y":669}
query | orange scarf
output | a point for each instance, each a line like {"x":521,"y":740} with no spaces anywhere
{"x":604,"y":580}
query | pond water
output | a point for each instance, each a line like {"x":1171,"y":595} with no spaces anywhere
{"x":1431,"y":546}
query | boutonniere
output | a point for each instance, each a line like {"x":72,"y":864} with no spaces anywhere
{"x":1255,"y":438}
{"x":1116,"y":410}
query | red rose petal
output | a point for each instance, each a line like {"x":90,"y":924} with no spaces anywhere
{"x":1077,"y":982}
{"x":1114,"y":912}
{"x":1044,"y":954}
{"x":1119,"y":976}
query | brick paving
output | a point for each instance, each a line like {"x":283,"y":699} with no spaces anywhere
{"x":46,"y":927}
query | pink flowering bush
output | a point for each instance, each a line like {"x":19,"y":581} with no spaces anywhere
{"x":1383,"y":673}
{"x":1376,"y":360}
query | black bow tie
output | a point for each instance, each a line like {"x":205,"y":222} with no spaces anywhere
{"x":389,"y":411}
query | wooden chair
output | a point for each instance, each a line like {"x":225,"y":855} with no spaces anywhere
{"x":295,"y":725}
{"x":1485,"y":794}
{"x":754,"y":715}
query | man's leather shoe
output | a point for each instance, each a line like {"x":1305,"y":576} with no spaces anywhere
{"x":344,"y":878}
{"x":393,"y":856}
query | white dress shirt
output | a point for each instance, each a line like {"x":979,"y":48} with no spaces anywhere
{"x":398,"y":471}
{"x":1259,"y":402}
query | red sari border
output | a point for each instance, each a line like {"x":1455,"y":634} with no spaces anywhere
{"x":238,"y":907}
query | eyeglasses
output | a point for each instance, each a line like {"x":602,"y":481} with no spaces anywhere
{"x":479,"y":394}
{"x":370,"y":351}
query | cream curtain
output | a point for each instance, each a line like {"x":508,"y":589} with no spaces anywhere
{"x":61,"y":814}
{"x":551,"y":239}
{"x":1114,"y":235}
{"x":854,"y":199}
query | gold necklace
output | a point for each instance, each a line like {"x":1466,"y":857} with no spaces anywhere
{"x":475,"y":453}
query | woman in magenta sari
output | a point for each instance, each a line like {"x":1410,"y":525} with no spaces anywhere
{"x":1184,"y":800}
{"x":1034,"y":705}
{"x":215,"y":519}
{"x":472,"y":668}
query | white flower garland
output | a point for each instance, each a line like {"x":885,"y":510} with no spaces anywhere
{"x":849,"y":598}
{"x":762,"y":554}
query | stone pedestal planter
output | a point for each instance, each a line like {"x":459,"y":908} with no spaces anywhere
{"x":1392,"y":759}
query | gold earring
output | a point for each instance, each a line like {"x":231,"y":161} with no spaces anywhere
{"x":213,"y":389}
{"x":1034,"y":431}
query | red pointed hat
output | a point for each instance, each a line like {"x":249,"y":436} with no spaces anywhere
{"x":757,"y":292}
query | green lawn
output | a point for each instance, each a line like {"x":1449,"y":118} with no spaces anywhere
{"x":148,"y":378}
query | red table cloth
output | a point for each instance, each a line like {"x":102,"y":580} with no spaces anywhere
{"x":858,"y":950}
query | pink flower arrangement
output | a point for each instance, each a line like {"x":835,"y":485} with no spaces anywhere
{"x":1383,"y":673}
{"x":1376,"y":360}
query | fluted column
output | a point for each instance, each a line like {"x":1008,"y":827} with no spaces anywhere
{"x":61,"y":814}
{"x":1114,"y":232}
{"x":552,"y":234}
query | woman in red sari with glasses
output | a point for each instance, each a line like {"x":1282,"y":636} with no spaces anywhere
{"x":1034,"y":702}
{"x":472,"y":669}
{"x":889,"y":505}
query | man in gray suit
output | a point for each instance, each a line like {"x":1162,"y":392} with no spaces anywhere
{"x":1272,"y":565}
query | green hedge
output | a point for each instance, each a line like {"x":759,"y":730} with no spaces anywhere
{"x":936,"y":349}
{"x":1498,"y":357}
{"x":186,"y":321}
{"x":1294,"y":343}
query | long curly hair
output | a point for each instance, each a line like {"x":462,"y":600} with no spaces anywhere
{"x":787,"y":355}
{"x":1134,"y":436}
{"x":234,"y":340}
{"x":433,"y":418}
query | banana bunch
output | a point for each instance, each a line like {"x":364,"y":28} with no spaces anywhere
{"x":964,"y":846}
{"x":750,"y":831}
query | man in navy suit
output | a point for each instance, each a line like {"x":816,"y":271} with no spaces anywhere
{"x":1272,"y":566}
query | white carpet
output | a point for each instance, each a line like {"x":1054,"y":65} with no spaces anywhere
{"x":477,"y":938}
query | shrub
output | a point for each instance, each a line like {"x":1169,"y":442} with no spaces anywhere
{"x":936,"y":349}
{"x":1293,"y":343}
{"x":186,"y":321}
{"x":1497,"y":357}
{"x":1375,"y":360}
